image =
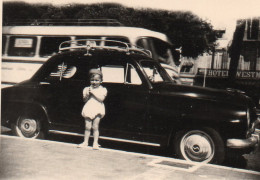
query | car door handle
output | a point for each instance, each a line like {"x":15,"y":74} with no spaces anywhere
{"x":44,"y":83}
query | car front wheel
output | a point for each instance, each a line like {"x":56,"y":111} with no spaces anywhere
{"x":201,"y":145}
{"x":28,"y":126}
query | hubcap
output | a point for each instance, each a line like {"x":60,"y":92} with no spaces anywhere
{"x":197,"y":146}
{"x":26,"y":125}
{"x":27,"y":128}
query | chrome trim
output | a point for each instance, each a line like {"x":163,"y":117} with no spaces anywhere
{"x":244,"y":143}
{"x":65,"y":133}
{"x":241,"y":113}
{"x":106,"y":138}
{"x":253,"y":127}
{"x":255,"y":124}
{"x":92,"y":44}
{"x":235,"y":121}
{"x":248,"y":117}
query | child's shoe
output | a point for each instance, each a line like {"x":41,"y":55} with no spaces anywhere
{"x":82,"y":145}
{"x":96,"y":146}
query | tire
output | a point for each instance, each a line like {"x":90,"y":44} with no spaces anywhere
{"x":28,"y":126}
{"x":201,"y":145}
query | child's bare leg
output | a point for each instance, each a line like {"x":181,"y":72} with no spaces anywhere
{"x":96,"y":131}
{"x":88,"y":125}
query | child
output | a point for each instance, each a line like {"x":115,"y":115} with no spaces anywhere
{"x":94,"y":109}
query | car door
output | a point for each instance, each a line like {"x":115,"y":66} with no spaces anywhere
{"x":61,"y":90}
{"x":162,"y":109}
{"x":126,"y":102}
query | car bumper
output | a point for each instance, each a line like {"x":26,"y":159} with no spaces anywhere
{"x":251,"y":142}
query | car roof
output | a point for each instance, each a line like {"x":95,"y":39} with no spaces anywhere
{"x":93,"y":55}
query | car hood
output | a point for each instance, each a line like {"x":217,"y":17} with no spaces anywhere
{"x":196,"y":92}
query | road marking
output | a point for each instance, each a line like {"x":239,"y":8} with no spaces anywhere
{"x":191,"y":166}
{"x":156,"y":159}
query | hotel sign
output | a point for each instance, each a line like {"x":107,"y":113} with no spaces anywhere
{"x":224,"y":73}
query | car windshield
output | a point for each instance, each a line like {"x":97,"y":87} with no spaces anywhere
{"x":154,"y":72}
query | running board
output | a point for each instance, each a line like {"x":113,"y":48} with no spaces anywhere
{"x":105,"y":138}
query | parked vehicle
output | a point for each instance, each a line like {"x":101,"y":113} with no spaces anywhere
{"x":173,"y":72}
{"x":143,"y":106}
{"x":26,"y":47}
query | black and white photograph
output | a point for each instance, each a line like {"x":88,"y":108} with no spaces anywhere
{"x":130,"y":90}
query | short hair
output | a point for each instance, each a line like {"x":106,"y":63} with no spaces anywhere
{"x":93,"y":72}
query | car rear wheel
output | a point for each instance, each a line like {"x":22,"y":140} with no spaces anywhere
{"x":201,"y":145}
{"x":28,"y":126}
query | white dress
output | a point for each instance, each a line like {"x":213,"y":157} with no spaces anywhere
{"x":93,"y":107}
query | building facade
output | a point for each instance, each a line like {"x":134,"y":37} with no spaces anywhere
{"x":212,"y":69}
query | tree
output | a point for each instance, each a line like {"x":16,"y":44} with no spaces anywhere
{"x":184,"y":29}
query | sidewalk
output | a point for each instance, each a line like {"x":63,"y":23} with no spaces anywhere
{"x":41,"y":159}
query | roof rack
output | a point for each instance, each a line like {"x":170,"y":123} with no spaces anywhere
{"x":92,"y":44}
{"x":63,"y":22}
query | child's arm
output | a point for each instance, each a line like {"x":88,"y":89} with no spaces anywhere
{"x":99,"y":95}
{"x":86,"y":94}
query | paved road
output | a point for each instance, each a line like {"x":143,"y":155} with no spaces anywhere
{"x":43,"y":159}
{"x":247,"y":161}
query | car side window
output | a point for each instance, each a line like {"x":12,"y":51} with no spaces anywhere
{"x":132,"y":76}
{"x":153,"y":74}
{"x":113,"y":73}
{"x":120,"y":74}
{"x":174,"y":75}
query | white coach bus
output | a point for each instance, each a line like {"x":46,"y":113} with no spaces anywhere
{"x":26,"y":48}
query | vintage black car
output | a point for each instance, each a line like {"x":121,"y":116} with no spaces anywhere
{"x":144,"y":105}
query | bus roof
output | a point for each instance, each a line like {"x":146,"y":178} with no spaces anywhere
{"x":132,"y":32}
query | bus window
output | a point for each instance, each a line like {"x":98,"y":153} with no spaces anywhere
{"x":122,"y":39}
{"x":161,"y":50}
{"x":50,"y":45}
{"x":143,"y":43}
{"x":88,"y":37}
{"x":22,"y":46}
{"x":3,"y":44}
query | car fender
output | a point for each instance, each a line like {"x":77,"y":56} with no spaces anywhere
{"x":12,"y":109}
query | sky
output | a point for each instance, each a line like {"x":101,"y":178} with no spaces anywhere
{"x":222,"y":14}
